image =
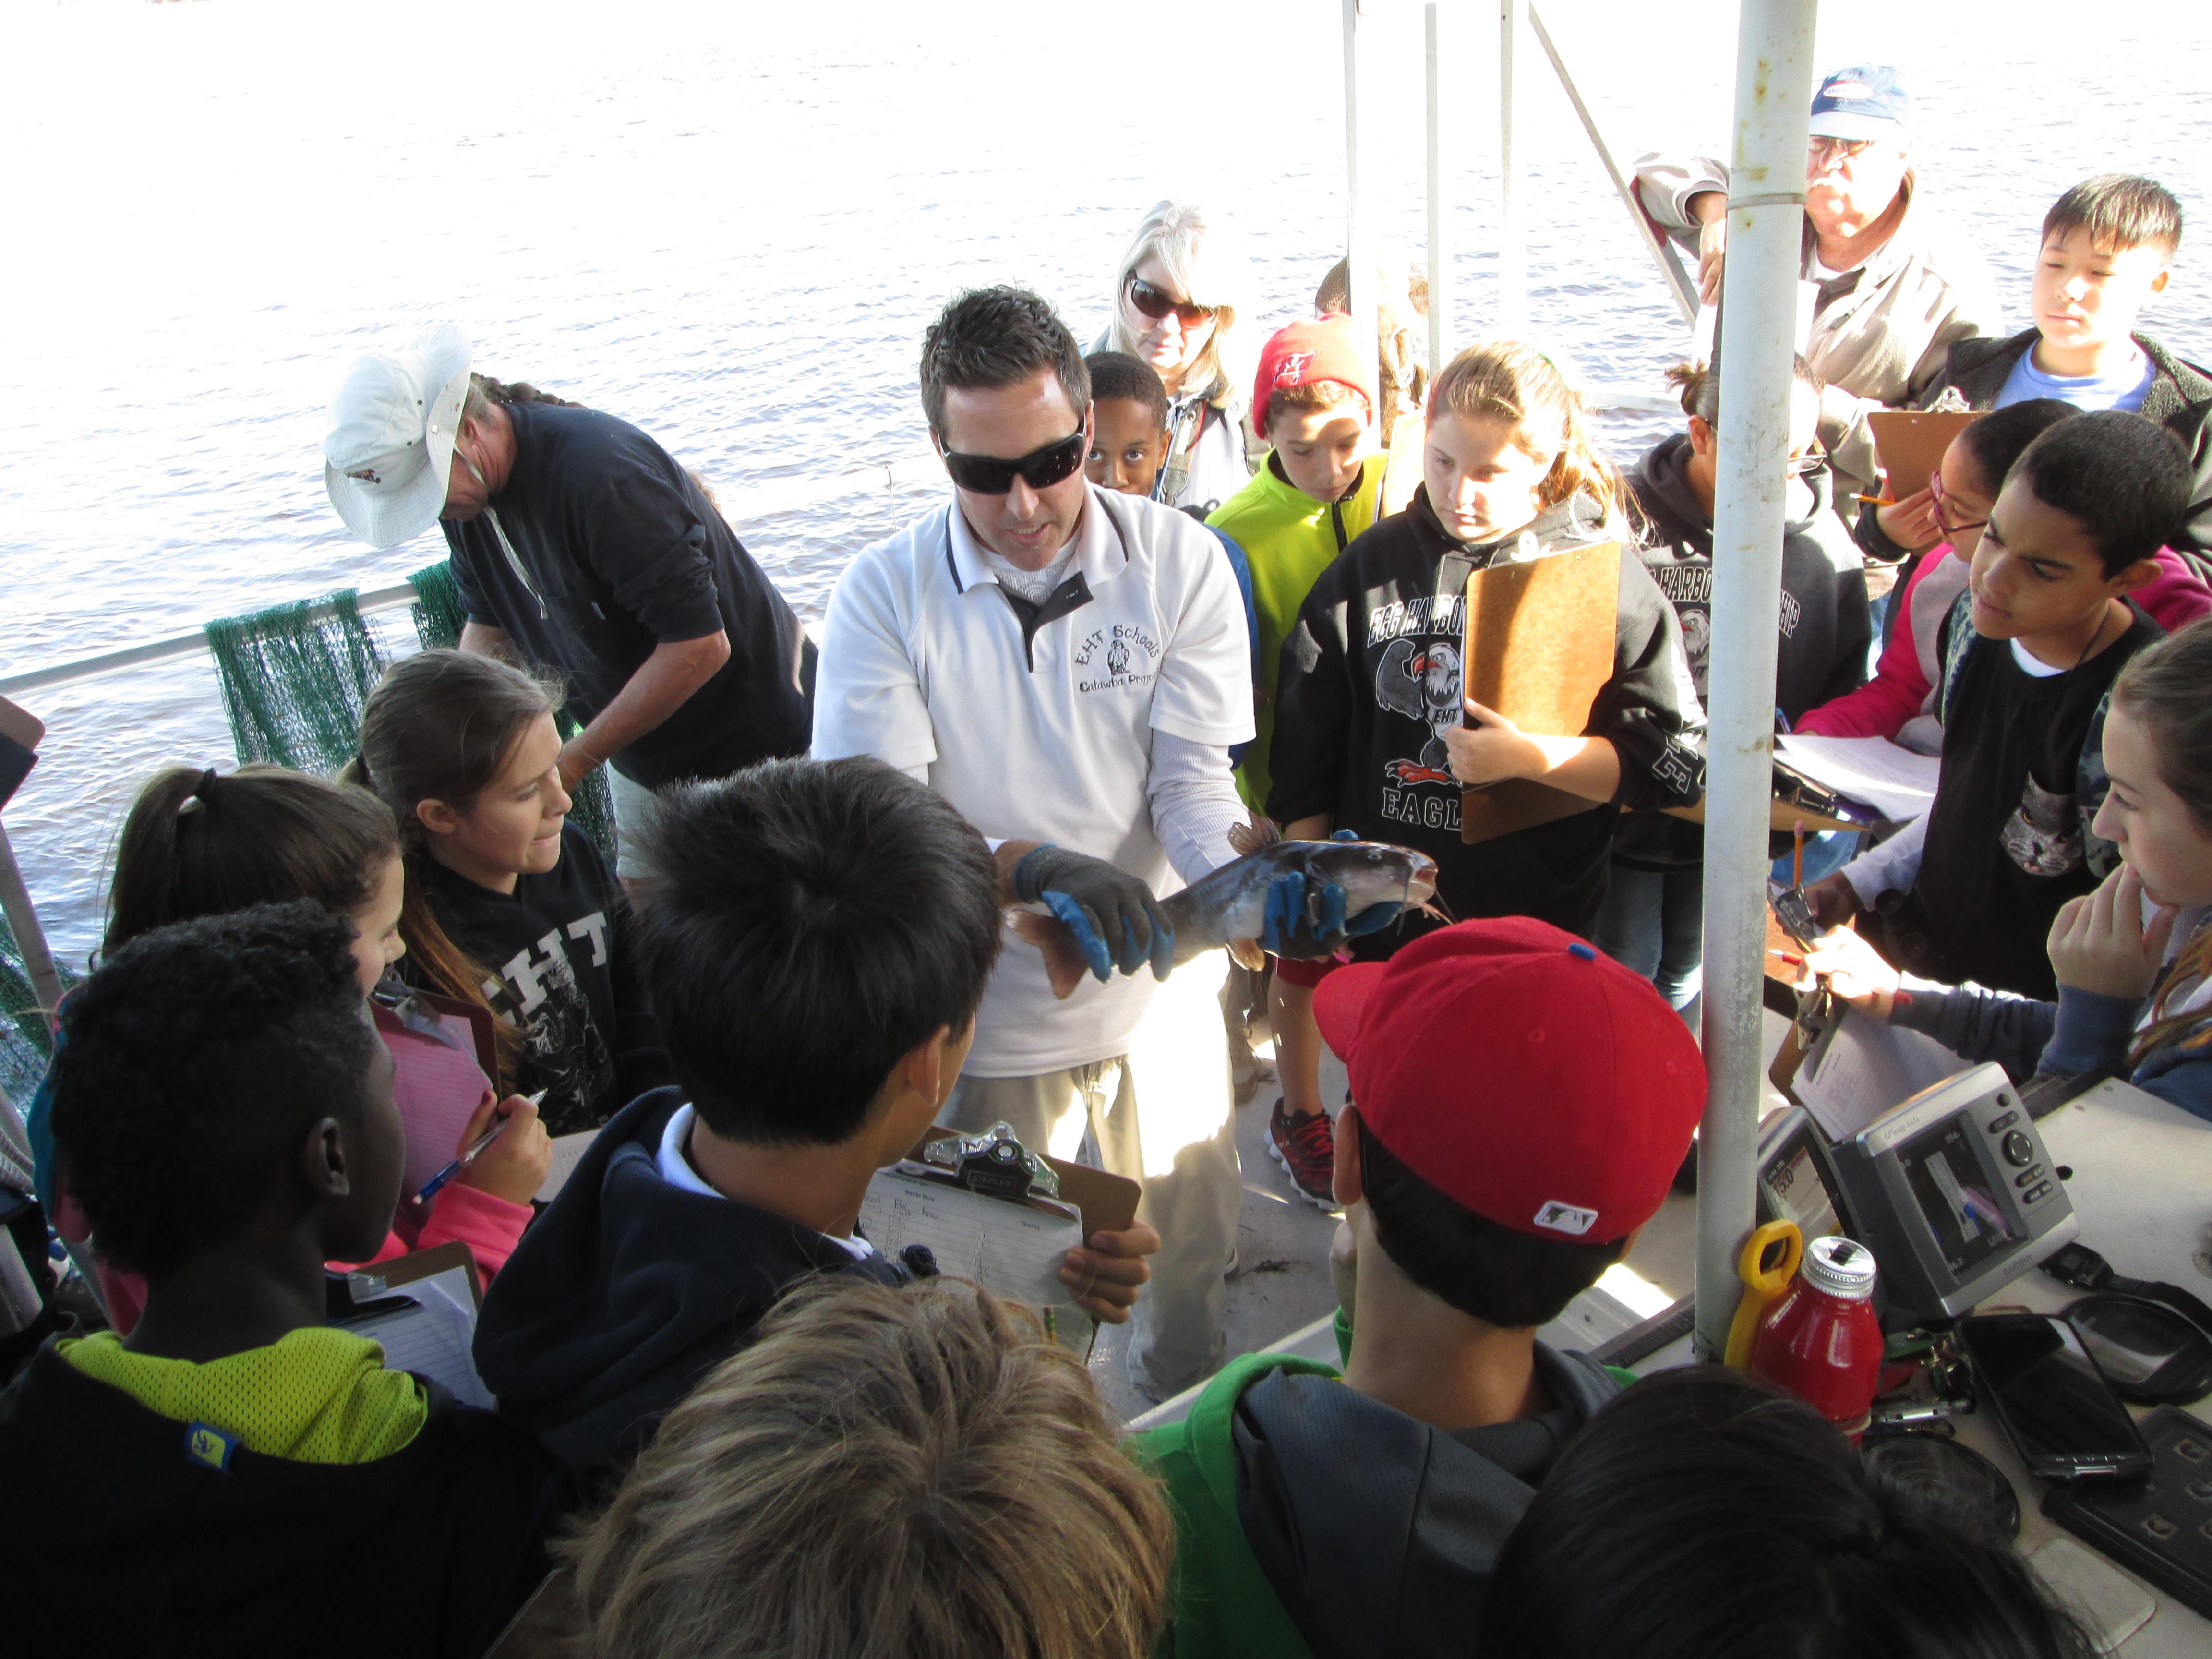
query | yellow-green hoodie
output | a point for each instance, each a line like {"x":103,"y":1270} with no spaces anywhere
{"x":1289,"y":538}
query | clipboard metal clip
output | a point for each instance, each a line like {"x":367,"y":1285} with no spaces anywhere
{"x":994,"y":1164}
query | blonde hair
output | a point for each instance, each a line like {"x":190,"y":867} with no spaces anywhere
{"x":1204,"y":259}
{"x":910,"y":1473}
{"x":1519,"y":383}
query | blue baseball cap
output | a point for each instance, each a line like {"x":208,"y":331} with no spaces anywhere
{"x":1867,"y":100}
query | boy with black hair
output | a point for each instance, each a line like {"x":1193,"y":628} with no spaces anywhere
{"x":244,"y":1472}
{"x":2029,"y":654}
{"x":2107,"y":252}
{"x":816,"y":937}
{"x":1521,"y":1104}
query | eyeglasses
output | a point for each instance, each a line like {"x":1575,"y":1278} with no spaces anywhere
{"x":1951,"y":532}
{"x":1848,"y":149}
{"x":1815,"y":459}
{"x":1156,"y":302}
{"x":1041,"y":469}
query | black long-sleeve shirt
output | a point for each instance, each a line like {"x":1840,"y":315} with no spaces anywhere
{"x":558,"y":953}
{"x":1370,"y":682}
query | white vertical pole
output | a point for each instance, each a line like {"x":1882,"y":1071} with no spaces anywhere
{"x":1440,"y":317}
{"x":1359,"y":229}
{"x":1758,"y":315}
{"x":1512,"y":256}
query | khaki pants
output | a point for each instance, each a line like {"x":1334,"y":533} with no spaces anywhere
{"x":1159,"y":1114}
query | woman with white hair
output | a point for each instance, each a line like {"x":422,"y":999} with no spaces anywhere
{"x":1177,"y":295}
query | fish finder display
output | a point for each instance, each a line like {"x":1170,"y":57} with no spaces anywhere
{"x":1793,"y":1180}
{"x":1954,"y":1195}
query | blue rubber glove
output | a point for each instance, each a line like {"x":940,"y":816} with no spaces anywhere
{"x":1116,"y":921}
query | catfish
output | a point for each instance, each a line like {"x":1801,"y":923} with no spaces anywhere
{"x":1228,"y":908}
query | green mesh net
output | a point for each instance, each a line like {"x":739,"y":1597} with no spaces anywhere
{"x":293,"y":682}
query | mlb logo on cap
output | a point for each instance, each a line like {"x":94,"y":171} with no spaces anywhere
{"x":1867,"y":100}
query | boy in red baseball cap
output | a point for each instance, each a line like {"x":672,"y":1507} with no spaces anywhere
{"x":1314,"y":401}
{"x":1520,"y":1104}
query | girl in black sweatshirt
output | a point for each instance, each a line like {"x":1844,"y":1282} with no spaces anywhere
{"x":507,"y":904}
{"x":1372,"y":731}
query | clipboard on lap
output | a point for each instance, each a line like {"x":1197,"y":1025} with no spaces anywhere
{"x":1539,"y":650}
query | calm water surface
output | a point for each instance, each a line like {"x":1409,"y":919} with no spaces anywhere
{"x":730,"y":223}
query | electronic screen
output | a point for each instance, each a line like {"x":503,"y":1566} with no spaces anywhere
{"x":1796,"y":1190}
{"x":1944,"y":1171}
{"x":2050,"y":1394}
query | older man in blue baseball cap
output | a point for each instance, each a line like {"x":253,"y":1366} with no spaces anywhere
{"x":1890,"y":289}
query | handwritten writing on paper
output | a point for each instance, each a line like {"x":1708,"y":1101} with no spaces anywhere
{"x":1009,"y":1250}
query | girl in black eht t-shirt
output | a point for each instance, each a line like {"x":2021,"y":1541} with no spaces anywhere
{"x":508,"y":905}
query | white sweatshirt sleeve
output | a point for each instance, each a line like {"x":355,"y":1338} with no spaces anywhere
{"x":1195,"y":803}
{"x":1894,"y":865}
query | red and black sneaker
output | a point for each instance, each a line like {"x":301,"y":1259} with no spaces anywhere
{"x":1306,"y":1148}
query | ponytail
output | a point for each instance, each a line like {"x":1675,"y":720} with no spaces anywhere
{"x":1516,"y":382}
{"x":198,"y":843}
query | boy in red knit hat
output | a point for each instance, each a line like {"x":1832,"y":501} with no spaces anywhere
{"x":1313,"y":399}
{"x":1520,"y":1104}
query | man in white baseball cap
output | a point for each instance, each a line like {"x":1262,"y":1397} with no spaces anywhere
{"x":390,"y":446}
{"x":582,"y":548}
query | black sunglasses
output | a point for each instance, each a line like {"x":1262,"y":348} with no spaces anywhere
{"x":1041,"y":469}
{"x":1156,"y":302}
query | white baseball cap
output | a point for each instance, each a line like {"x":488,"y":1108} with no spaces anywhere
{"x":390,"y":439}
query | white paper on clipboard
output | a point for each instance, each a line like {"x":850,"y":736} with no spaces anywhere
{"x":432,"y":1336}
{"x":1862,"y":1067}
{"x":1009,"y":1250}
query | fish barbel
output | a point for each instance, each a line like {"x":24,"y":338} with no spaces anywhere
{"x":1228,"y":908}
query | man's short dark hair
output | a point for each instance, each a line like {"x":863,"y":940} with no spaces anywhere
{"x":991,"y":337}
{"x":2123,"y":478}
{"x":194,"y":1062}
{"x":1130,"y":378}
{"x":1498,"y":1274}
{"x":2120,"y":210}
{"x":803,"y":924}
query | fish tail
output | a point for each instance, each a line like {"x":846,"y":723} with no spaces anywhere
{"x":1064,"y":966}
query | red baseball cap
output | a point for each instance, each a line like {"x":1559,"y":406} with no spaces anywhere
{"x":1521,"y":1073}
{"x":1321,"y":349}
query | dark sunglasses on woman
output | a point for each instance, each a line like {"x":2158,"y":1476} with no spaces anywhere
{"x":1156,"y":302}
{"x":1041,"y":469}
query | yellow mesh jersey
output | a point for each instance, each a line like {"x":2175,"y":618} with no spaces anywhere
{"x":315,"y":1396}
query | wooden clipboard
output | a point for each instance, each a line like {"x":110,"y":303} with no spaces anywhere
{"x":1909,"y":443}
{"x":1539,"y":650}
{"x":1108,"y":1202}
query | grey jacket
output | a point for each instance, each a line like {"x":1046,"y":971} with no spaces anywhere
{"x":1882,"y":333}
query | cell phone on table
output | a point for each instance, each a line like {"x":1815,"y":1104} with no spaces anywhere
{"x":2056,"y":1407}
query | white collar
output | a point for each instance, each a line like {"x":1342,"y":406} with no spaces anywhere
{"x":675,"y":1168}
{"x":1101,"y":553}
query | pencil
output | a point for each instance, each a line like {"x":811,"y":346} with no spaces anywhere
{"x":1877,"y":501}
{"x":1797,"y":858}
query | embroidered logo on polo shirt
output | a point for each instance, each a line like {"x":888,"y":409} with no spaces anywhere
{"x":1116,"y":650}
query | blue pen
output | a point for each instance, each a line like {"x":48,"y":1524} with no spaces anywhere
{"x":430,"y":1188}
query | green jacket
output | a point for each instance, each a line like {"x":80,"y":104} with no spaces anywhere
{"x":1289,"y":538}
{"x":1223,"y":1601}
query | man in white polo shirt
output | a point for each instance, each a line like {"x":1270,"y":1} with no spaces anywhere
{"x":1068,"y":667}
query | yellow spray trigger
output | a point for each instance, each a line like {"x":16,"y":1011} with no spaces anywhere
{"x":1769,"y":1261}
